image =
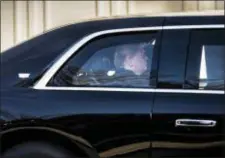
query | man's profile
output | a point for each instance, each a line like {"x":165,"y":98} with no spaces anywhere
{"x":131,"y":63}
{"x":131,"y":57}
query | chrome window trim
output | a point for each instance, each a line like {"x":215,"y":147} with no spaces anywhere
{"x":115,"y":89}
{"x":41,"y":84}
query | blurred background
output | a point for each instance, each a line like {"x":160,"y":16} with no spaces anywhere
{"x":22,"y":20}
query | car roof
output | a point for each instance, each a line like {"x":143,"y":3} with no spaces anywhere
{"x":152,"y":15}
{"x":178,"y":16}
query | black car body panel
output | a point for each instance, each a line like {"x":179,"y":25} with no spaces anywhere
{"x":114,"y":122}
{"x":188,"y":141}
{"x":110,"y":119}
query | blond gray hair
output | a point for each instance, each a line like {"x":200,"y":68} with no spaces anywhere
{"x":121,"y":54}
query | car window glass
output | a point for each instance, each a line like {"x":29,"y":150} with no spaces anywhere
{"x":206,"y":60}
{"x":121,"y":60}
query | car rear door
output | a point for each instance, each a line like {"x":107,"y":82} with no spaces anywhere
{"x":188,"y":114}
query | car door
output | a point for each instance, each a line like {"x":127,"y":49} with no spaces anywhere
{"x":87,"y":97}
{"x":188,"y":114}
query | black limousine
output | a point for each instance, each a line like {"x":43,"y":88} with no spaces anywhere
{"x":150,"y":86}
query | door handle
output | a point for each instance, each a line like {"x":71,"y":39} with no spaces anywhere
{"x":195,"y":123}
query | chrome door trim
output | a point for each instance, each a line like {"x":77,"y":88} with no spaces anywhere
{"x":41,"y":84}
{"x":115,"y":89}
{"x":195,"y":123}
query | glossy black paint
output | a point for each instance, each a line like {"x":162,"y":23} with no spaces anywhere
{"x":188,"y":141}
{"x":194,"y":20}
{"x":108,"y":120}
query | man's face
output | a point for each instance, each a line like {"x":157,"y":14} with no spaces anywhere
{"x":138,"y":61}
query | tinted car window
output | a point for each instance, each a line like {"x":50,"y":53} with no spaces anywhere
{"x":119,"y":60}
{"x":173,"y":59}
{"x":206,"y":60}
